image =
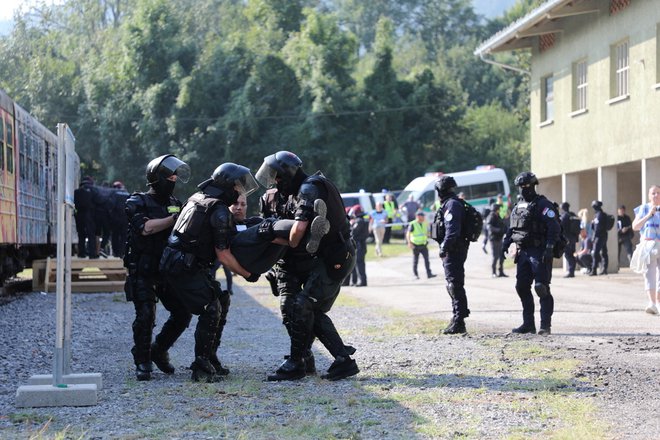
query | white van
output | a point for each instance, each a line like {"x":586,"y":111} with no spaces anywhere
{"x":478,"y":186}
{"x":362,"y":198}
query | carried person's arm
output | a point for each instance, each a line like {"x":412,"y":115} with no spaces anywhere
{"x":297,"y":232}
{"x":227,"y":259}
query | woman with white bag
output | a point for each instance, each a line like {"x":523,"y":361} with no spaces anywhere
{"x":647,"y":258}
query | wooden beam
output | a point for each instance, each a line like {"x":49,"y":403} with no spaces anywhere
{"x":574,"y":8}
{"x":547,"y":27}
{"x":513,"y":44}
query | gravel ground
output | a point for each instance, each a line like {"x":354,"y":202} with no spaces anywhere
{"x":414,"y":383}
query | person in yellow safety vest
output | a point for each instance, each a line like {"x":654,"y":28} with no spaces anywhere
{"x":504,"y":207}
{"x":418,"y":232}
{"x":390,"y":207}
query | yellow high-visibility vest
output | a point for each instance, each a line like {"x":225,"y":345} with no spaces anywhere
{"x":419,"y":234}
{"x":390,"y":208}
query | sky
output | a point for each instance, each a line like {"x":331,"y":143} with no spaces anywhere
{"x":7,"y":8}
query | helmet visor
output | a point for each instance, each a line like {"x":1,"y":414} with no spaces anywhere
{"x":173,"y":165}
{"x":266,"y":176}
{"x":246,"y":185}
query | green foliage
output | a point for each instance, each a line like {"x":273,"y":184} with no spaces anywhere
{"x":373,"y":93}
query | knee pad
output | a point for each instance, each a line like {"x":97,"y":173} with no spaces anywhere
{"x":302,"y":309}
{"x":145,"y":314}
{"x":541,"y":290}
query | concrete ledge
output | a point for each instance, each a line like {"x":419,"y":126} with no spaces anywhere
{"x":70,"y":379}
{"x":32,"y":396}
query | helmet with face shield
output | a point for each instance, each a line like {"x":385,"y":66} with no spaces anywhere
{"x":279,"y":170}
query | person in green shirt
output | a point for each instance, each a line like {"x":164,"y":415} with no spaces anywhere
{"x":418,"y":231}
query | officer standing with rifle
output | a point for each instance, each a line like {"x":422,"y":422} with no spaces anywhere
{"x":151,"y":216}
{"x":534,"y":228}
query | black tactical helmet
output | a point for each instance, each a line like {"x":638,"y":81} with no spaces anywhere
{"x":164,"y":166}
{"x":526,"y":178}
{"x":283,"y":165}
{"x":445,"y":184}
{"x":229,"y":176}
{"x":597,"y":204}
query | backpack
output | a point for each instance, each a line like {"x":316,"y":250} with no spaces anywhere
{"x":562,"y":242}
{"x":473,"y":223}
{"x":609,"y":221}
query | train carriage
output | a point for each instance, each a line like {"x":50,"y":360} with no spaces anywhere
{"x":28,"y":189}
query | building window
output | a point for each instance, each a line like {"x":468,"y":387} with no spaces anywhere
{"x":580,"y":86}
{"x":619,"y":72}
{"x":547,"y":99}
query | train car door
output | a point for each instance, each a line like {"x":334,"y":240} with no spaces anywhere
{"x":7,"y":172}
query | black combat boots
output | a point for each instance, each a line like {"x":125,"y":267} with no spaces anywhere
{"x":203,"y":371}
{"x":291,"y":369}
{"x":143,"y":371}
{"x":161,"y":358}
{"x":341,"y":368}
{"x":456,"y":327}
{"x":219,"y":369}
{"x":525,"y":329}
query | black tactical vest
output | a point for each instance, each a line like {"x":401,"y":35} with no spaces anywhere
{"x":193,"y":228}
{"x":527,"y":228}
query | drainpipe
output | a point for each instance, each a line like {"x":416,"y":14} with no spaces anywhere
{"x":504,"y":66}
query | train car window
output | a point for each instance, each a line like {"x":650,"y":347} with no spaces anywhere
{"x":22,"y":142}
{"x":10,"y":159}
{"x":2,"y":145}
{"x":10,"y":146}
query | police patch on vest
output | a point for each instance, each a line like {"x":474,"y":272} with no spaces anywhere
{"x":549,"y":212}
{"x":448,"y":217}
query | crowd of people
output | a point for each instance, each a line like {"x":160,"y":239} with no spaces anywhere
{"x":308,"y":247}
{"x":101,"y":222}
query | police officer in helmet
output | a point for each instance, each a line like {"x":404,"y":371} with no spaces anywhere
{"x":309,"y":284}
{"x":534,"y":228}
{"x":599,"y":228}
{"x":201,"y":235}
{"x":453,"y":251}
{"x":151,"y":216}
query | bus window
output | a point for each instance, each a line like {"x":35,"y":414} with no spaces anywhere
{"x":427,"y":199}
{"x":487,"y":190}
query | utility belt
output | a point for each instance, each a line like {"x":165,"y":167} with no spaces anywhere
{"x":178,"y":262}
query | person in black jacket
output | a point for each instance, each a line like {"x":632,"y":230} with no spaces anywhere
{"x":496,"y":229}
{"x":453,"y":251}
{"x":310,"y":277}
{"x":359,"y":233}
{"x":119,"y":222}
{"x":534,"y":227}
{"x":625,"y":232}
{"x":599,"y":228}
{"x":571,"y":239}
{"x":83,"y":198}
{"x":151,"y":216}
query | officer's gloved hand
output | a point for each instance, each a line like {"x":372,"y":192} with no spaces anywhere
{"x":505,"y":248}
{"x":548,"y":254}
{"x":443,"y":251}
{"x":253,"y":278}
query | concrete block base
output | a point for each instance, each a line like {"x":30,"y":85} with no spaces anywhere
{"x":32,"y":396}
{"x":70,"y":379}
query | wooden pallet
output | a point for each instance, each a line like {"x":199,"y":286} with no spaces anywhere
{"x":98,"y":275}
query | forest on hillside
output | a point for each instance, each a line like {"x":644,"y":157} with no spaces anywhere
{"x":373,"y":93}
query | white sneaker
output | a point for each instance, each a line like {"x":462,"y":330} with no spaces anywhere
{"x":652,"y":309}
